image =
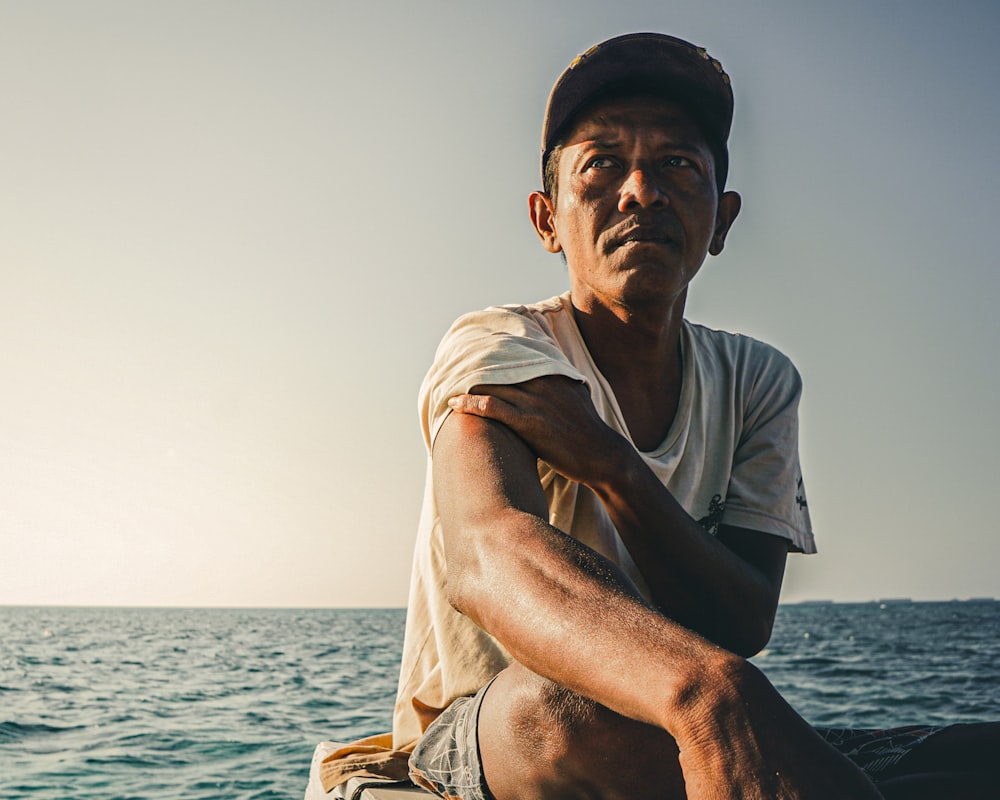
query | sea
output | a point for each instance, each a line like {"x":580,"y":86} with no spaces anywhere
{"x":187,"y":704}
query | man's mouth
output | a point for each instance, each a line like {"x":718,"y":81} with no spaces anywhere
{"x":644,"y":235}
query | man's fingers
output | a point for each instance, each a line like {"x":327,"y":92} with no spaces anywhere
{"x":482,"y":405}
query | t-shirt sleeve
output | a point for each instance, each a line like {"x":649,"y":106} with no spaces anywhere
{"x":500,"y":345}
{"x":766,"y":492}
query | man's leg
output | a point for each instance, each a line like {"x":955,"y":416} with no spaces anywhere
{"x":956,"y":748}
{"x":538,"y":740}
{"x":524,"y":738}
{"x":960,"y":762}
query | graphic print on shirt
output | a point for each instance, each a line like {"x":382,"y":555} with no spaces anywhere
{"x":710,"y":522}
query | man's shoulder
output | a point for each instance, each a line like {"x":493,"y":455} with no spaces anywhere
{"x":731,"y":343}
{"x":515,"y":314}
{"x":499,"y":345}
{"x":546,"y":322}
{"x":738,"y":353}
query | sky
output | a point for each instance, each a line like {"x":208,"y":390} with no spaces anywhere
{"x":232,"y":234}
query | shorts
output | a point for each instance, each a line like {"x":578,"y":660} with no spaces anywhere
{"x":874,"y":750}
{"x":446,"y":760}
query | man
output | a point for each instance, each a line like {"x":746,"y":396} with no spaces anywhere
{"x":612,"y":490}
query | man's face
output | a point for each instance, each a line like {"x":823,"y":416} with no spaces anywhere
{"x":637,"y":208}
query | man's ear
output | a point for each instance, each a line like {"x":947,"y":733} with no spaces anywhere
{"x":543,"y":218}
{"x":729,"y":208}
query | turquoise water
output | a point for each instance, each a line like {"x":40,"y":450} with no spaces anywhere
{"x":188,"y":704}
{"x":165,"y":704}
{"x":888,"y":664}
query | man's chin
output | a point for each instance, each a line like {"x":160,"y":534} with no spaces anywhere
{"x":652,"y":284}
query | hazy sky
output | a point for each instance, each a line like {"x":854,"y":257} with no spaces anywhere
{"x":232,"y":234}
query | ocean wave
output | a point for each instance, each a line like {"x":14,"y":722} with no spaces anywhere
{"x":12,"y":731}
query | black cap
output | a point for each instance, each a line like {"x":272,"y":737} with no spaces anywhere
{"x":643,"y":62}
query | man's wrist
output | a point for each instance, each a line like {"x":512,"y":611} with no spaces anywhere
{"x":710,"y":697}
{"x":619,"y":467}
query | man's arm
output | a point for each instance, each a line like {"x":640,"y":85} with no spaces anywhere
{"x":571,"y":616}
{"x":725,"y":588}
{"x":559,"y":608}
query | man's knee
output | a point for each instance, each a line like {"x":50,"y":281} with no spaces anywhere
{"x":537,"y":717}
{"x":535,"y":734}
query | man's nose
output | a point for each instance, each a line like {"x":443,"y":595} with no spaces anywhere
{"x":640,"y":189}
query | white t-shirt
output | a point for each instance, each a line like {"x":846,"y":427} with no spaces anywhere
{"x":730,"y":457}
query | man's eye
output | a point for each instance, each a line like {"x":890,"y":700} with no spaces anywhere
{"x":679,"y":161}
{"x":601,"y":162}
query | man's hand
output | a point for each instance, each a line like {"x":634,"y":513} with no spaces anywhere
{"x":725,"y":587}
{"x":747,"y":743}
{"x":556,"y":418}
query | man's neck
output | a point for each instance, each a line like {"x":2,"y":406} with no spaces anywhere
{"x":638,"y":351}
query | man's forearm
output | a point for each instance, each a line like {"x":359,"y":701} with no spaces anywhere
{"x":561,"y":609}
{"x":694,"y":578}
